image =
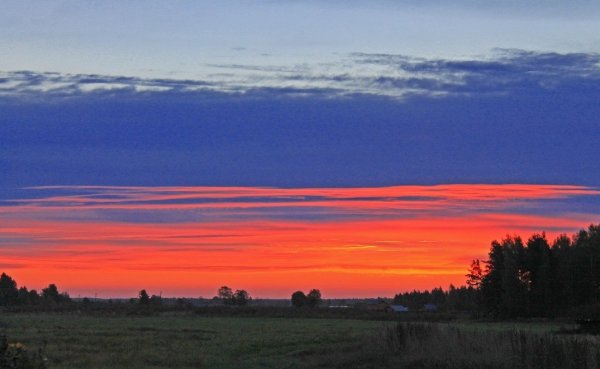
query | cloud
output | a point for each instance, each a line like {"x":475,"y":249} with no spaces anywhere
{"x":28,"y":83}
{"x":505,"y":71}
{"x":206,"y":204}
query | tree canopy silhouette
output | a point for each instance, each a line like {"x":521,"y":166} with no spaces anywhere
{"x":51,"y":295}
{"x":8,"y":290}
{"x":312,"y":299}
{"x":239,"y":297}
{"x":539,"y":279}
{"x":143,"y":298}
{"x":298,"y":299}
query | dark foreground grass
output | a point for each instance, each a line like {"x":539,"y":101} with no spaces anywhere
{"x":190,"y":341}
{"x":453,"y":346}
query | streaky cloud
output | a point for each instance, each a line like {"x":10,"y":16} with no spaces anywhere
{"x":206,"y":204}
{"x":504,"y":71}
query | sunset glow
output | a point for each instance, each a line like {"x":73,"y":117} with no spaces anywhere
{"x":188,"y":241}
{"x":362,"y":148}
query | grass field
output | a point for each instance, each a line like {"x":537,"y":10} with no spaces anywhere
{"x":188,"y":341}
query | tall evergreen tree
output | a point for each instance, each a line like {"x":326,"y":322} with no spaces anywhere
{"x":539,"y":275}
{"x":491,"y":283}
{"x":8,"y":290}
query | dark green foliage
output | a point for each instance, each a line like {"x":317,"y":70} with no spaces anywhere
{"x":143,"y":298}
{"x":226,"y":295}
{"x":241,"y":297}
{"x":455,"y":299}
{"x":51,"y":295}
{"x":540,"y":277}
{"x":313,"y":298}
{"x":530,"y":279}
{"x":537,"y":279}
{"x":10,"y":295}
{"x":491,"y":283}
{"x":8,"y":290}
{"x":298,"y":299}
{"x":475,"y":274}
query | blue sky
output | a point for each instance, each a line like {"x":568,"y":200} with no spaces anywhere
{"x":299,"y":93}
{"x":306,"y":130}
{"x":182,"y":39}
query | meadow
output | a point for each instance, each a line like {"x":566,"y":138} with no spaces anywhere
{"x":189,"y":340}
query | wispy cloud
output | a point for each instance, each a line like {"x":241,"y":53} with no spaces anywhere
{"x":21,"y":83}
{"x":225,"y":203}
{"x":503,"y":71}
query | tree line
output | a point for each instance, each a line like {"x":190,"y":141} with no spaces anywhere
{"x":463,"y":298}
{"x":538,"y":278}
{"x":312,"y":299}
{"x":228,"y":297}
{"x":532,"y":278}
{"x":12,"y":295}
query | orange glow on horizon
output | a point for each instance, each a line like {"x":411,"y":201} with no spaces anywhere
{"x":355,"y":242}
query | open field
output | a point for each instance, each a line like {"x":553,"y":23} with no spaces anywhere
{"x":184,"y":340}
{"x":188,"y":341}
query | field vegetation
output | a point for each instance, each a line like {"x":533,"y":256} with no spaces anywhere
{"x":191,"y":340}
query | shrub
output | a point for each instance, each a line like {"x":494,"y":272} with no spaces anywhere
{"x":17,"y":356}
{"x":424,"y":345}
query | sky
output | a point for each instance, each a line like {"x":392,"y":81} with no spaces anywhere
{"x":363,"y":148}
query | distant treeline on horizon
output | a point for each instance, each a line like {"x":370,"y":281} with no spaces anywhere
{"x":535,"y":278}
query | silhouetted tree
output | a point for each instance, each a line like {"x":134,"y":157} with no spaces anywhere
{"x":515,"y":278}
{"x":8,"y":290}
{"x":454,"y":299}
{"x":298,"y":299}
{"x":226,"y":295}
{"x":539,"y":274}
{"x":143,"y":298}
{"x":313,"y":298}
{"x":587,"y":265}
{"x":34,"y":297}
{"x":438,"y":296}
{"x":538,"y":280}
{"x":562,"y":266}
{"x":474,"y":275}
{"x":23,"y":296}
{"x":241,"y":297}
{"x":51,"y":295}
{"x":491,"y":283}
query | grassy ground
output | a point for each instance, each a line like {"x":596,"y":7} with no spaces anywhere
{"x":490,"y":346}
{"x":188,"y":341}
{"x":533,"y":327}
